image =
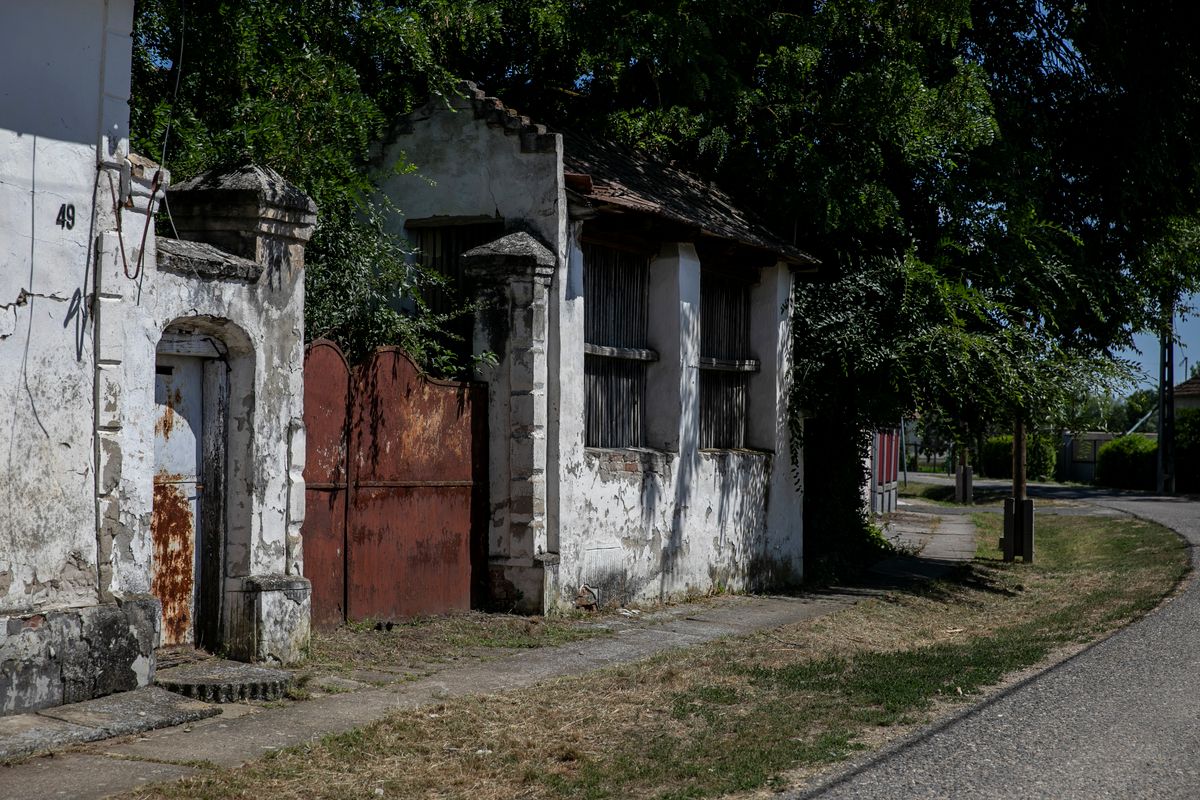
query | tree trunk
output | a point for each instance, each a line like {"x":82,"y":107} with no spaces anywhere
{"x":1018,"y":471}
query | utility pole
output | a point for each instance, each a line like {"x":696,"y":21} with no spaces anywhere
{"x":1166,"y":405}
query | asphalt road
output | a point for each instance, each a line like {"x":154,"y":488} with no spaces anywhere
{"x":1120,"y":720}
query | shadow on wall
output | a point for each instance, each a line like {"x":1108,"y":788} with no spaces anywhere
{"x":689,"y":442}
{"x":743,"y":491}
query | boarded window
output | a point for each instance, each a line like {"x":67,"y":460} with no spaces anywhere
{"x":725,"y":361}
{"x":615,"y":285}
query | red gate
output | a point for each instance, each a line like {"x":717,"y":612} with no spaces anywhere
{"x":396,"y":477}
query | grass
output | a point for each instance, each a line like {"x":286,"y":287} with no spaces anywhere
{"x":746,"y":715}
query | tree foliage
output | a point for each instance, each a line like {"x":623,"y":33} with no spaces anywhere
{"x":307,"y":88}
{"x":1002,"y":191}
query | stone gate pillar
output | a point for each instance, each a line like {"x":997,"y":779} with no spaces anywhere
{"x":514,"y":274}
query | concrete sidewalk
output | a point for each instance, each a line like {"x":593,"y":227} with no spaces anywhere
{"x":244,"y":732}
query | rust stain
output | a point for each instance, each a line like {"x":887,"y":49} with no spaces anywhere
{"x":166,"y":422}
{"x":171,"y":535}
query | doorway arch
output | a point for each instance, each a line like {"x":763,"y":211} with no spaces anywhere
{"x":203,"y":392}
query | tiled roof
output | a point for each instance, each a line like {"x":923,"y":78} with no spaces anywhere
{"x":608,"y":176}
{"x":1189,"y":388}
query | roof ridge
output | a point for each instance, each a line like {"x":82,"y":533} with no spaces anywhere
{"x":535,"y":137}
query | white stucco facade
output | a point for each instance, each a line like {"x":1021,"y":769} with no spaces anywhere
{"x":641,"y":524}
{"x":85,"y":301}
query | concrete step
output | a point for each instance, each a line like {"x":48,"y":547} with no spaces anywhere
{"x":221,"y":681}
{"x":115,"y":715}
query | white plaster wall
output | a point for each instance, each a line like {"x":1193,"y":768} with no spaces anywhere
{"x":63,"y":107}
{"x":644,"y":525}
{"x":565,"y":404}
{"x":462,"y":167}
{"x":768,"y":426}
{"x":649,"y":535}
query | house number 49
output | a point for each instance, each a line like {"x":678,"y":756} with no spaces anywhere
{"x":66,"y":216}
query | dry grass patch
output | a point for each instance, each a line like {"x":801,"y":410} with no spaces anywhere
{"x":744,"y":715}
{"x":412,"y":646}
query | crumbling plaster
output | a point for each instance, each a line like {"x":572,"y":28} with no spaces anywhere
{"x":54,"y":130}
{"x":82,"y":308}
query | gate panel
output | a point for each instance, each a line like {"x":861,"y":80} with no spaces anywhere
{"x":412,"y":466}
{"x":326,"y":416}
{"x":409,"y":551}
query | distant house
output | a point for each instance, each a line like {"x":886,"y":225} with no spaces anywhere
{"x":1187,"y":394}
{"x":639,"y":437}
{"x":151,"y":437}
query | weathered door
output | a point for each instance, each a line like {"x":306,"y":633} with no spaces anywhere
{"x":413,"y":480}
{"x":174,"y":526}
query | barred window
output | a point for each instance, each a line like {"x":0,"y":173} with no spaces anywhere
{"x":440,"y":247}
{"x":725,"y":361}
{"x":615,"y":287}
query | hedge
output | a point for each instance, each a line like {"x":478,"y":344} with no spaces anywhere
{"x":1127,"y":462}
{"x":1041,"y":456}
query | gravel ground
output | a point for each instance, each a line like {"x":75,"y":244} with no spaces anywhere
{"x":1120,"y":720}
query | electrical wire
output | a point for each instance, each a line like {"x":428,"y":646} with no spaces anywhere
{"x":162,"y":161}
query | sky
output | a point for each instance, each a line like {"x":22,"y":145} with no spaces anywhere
{"x":1189,"y":348}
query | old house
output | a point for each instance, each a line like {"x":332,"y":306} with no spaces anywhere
{"x":1187,"y":394}
{"x":151,"y":437}
{"x":638,"y":414}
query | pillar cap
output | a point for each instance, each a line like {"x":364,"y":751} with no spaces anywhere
{"x":247,"y":182}
{"x":514,"y":250}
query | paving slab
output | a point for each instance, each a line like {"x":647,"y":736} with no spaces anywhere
{"x":221,"y":681}
{"x":23,"y":734}
{"x":102,"y":718}
{"x":93,"y":777}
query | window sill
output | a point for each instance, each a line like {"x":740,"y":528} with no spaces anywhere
{"x":730,"y":364}
{"x":628,"y":460}
{"x":628,"y":353}
{"x":719,"y":452}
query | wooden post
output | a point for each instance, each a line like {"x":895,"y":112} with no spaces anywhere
{"x":1019,"y":487}
{"x":1018,"y":509}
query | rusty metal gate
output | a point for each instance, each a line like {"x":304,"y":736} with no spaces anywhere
{"x":396,"y":477}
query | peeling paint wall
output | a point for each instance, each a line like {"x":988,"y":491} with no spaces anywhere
{"x":83,"y":306}
{"x":63,"y":133}
{"x":57,"y":121}
{"x":649,"y":525}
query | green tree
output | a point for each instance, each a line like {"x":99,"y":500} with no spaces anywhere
{"x":306,"y":88}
